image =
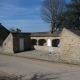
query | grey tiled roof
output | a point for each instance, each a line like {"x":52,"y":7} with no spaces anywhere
{"x":38,"y":34}
{"x":76,"y":31}
{"x":2,"y":27}
{"x":20,"y":34}
{"x":45,"y":34}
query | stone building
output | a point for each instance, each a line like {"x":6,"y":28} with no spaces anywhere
{"x":3,"y":35}
{"x":16,"y":42}
{"x":45,"y":41}
{"x":70,"y":46}
{"x":65,"y":43}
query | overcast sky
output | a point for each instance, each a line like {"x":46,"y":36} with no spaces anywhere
{"x":22,"y":14}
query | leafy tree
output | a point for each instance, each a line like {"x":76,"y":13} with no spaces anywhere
{"x":73,"y":14}
{"x":51,"y":12}
{"x":15,"y":30}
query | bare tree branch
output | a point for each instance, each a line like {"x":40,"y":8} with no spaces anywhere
{"x":51,"y":10}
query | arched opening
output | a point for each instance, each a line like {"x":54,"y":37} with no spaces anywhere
{"x":33,"y":42}
{"x":42,"y":42}
{"x":55,"y":42}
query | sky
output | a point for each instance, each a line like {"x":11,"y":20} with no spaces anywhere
{"x":22,"y":14}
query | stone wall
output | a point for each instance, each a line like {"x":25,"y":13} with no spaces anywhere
{"x":69,"y":47}
{"x":8,"y":44}
{"x":45,"y":38}
{"x":45,"y":47}
{"x":42,"y":48}
{"x":12,"y":44}
{"x":15,"y":44}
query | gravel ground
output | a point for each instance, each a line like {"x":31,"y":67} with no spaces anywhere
{"x":5,"y":76}
{"x":29,"y":69}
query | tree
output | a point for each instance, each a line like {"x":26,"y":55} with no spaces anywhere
{"x":73,"y":14}
{"x":51,"y":12}
{"x":15,"y":30}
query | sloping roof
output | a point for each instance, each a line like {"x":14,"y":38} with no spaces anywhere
{"x":3,"y":32}
{"x":2,"y":27}
{"x":76,"y":31}
{"x":45,"y":34}
{"x":20,"y":34}
{"x":38,"y":34}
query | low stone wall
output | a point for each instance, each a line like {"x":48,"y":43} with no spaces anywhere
{"x":42,"y":48}
{"x":56,"y":49}
{"x":46,"y":48}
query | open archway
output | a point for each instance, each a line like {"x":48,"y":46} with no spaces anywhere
{"x":33,"y":42}
{"x":55,"y":42}
{"x":42,"y":42}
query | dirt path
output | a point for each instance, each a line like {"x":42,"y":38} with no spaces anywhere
{"x":30,"y":69}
